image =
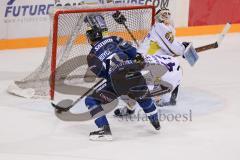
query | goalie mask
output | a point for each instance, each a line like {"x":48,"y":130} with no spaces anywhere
{"x":163,"y":15}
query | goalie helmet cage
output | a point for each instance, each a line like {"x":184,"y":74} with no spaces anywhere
{"x":64,"y":66}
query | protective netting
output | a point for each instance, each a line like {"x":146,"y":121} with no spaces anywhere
{"x":72,"y":47}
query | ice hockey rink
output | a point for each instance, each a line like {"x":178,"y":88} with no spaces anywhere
{"x":210,"y":94}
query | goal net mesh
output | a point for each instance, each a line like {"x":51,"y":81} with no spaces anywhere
{"x":68,"y":48}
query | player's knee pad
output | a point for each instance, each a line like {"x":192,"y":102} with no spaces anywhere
{"x":91,"y":101}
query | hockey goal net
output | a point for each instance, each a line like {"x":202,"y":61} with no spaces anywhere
{"x":64,"y":66}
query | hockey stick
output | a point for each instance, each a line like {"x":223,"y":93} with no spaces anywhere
{"x":67,"y":104}
{"x":132,"y":36}
{"x":121,"y":19}
{"x":95,"y":112}
{"x":190,"y":53}
{"x":218,"y":42}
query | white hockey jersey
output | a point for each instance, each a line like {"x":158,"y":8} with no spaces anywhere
{"x":161,"y":41}
{"x":161,"y":65}
{"x":162,"y":70}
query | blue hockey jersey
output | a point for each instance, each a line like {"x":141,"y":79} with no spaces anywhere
{"x":108,"y":52}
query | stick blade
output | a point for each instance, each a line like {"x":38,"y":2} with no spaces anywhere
{"x":64,"y":104}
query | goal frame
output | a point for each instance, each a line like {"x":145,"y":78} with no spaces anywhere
{"x":90,"y":10}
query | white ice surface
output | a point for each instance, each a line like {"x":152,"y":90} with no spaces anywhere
{"x":29,"y":129}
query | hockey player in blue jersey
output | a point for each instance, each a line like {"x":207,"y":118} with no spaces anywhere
{"x":107,"y":52}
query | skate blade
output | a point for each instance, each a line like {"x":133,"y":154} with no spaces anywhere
{"x":100,"y":138}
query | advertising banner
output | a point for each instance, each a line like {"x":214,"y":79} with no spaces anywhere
{"x":73,"y":2}
{"x":28,"y":21}
{"x":3,"y":26}
{"x":178,"y":8}
{"x":21,"y":19}
{"x":24,"y":19}
{"x":212,"y":12}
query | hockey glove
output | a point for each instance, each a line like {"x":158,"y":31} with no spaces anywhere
{"x":119,"y":17}
{"x":139,"y":58}
{"x":185,"y":44}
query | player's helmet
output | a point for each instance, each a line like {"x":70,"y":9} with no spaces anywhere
{"x":163,"y":15}
{"x":94,"y":35}
{"x":96,"y":21}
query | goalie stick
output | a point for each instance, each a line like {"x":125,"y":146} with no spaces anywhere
{"x":218,"y":42}
{"x":190,"y":54}
{"x":121,"y":19}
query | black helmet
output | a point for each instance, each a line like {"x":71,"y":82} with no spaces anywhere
{"x":97,"y":21}
{"x":94,"y":34}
